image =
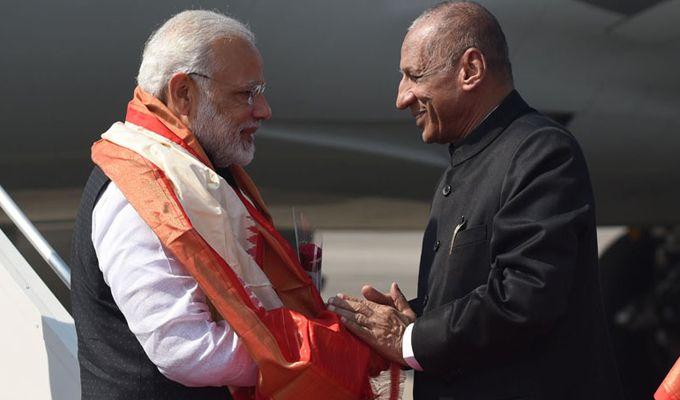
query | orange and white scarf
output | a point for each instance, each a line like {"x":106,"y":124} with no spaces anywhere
{"x":225,"y":238}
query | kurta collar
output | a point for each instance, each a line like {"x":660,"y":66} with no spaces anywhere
{"x":507,"y":111}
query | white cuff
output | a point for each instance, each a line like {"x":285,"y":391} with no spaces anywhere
{"x":407,"y":350}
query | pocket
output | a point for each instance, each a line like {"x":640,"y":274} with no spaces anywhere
{"x":469,"y":236}
{"x":465,"y":268}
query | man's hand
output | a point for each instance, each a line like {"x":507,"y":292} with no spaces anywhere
{"x":379,"y":320}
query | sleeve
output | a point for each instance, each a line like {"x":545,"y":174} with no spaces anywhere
{"x":416,"y":305}
{"x":407,"y":349}
{"x":545,"y":205}
{"x":162,"y":303}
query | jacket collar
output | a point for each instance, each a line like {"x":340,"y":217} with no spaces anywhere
{"x":493,"y":125}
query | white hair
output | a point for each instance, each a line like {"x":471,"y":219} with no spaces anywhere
{"x":182,"y":44}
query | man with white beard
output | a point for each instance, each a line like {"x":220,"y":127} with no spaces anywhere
{"x":145,"y":326}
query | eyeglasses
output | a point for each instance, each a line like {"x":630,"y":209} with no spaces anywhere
{"x":251,"y":92}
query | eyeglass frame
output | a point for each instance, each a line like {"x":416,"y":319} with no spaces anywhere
{"x":255,"y":91}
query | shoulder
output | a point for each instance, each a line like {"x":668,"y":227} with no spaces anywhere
{"x":534,"y":136}
{"x":111,"y":202}
{"x":541,"y":151}
{"x":113,"y":216}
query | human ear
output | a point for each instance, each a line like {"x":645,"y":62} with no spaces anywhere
{"x":473,"y":68}
{"x":180,"y":95}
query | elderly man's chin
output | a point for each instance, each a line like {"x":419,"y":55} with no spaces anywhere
{"x":222,"y":142}
{"x":245,"y":155}
{"x":225,"y":147}
{"x":239,"y":153}
{"x":426,"y":131}
{"x":428,"y":135}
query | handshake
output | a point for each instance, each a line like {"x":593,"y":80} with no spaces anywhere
{"x":380,"y":319}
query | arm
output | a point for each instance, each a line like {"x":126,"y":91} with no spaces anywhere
{"x":546,"y":202}
{"x":162,"y":303}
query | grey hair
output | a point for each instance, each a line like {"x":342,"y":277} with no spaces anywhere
{"x":182,"y":44}
{"x":460,"y":25}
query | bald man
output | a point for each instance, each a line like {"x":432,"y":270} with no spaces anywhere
{"x":509,"y":303}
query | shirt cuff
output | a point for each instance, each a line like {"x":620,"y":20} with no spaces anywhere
{"x":407,"y":350}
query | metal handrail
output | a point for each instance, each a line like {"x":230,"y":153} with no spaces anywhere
{"x":35,"y":238}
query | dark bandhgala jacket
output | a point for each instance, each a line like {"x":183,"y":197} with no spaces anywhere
{"x":113,"y":364}
{"x":509,"y":298}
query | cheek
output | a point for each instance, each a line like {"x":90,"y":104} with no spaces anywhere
{"x":446,"y":106}
{"x":433,"y":112}
{"x":427,"y":102}
{"x":240,"y":115}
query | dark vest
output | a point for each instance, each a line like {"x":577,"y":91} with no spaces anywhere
{"x":113,"y":364}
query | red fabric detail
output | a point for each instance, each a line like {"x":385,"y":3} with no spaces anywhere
{"x":253,"y":252}
{"x":269,"y":227}
{"x":259,"y":249}
{"x":254,"y":239}
{"x":395,"y":375}
{"x":243,"y":393}
{"x":310,"y":257}
{"x":308,"y":340}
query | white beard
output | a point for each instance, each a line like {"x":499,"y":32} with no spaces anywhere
{"x":221,"y":140}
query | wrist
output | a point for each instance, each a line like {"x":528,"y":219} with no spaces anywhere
{"x":407,"y":349}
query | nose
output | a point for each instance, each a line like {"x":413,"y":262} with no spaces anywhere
{"x":405,"y":96}
{"x":261,"y":109}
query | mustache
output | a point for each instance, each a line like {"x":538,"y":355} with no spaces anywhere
{"x":245,"y":126}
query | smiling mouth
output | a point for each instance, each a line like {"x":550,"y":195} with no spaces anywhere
{"x":249,"y":131}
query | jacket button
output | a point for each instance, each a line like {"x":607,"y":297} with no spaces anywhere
{"x":447,"y":190}
{"x":436,"y":245}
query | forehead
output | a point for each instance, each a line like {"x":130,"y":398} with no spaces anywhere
{"x":414,"y":48}
{"x":236,"y":60}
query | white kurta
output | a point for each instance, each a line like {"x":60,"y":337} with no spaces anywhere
{"x":162,"y":303}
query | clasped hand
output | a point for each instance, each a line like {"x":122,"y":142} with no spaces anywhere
{"x":379,"y":320}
